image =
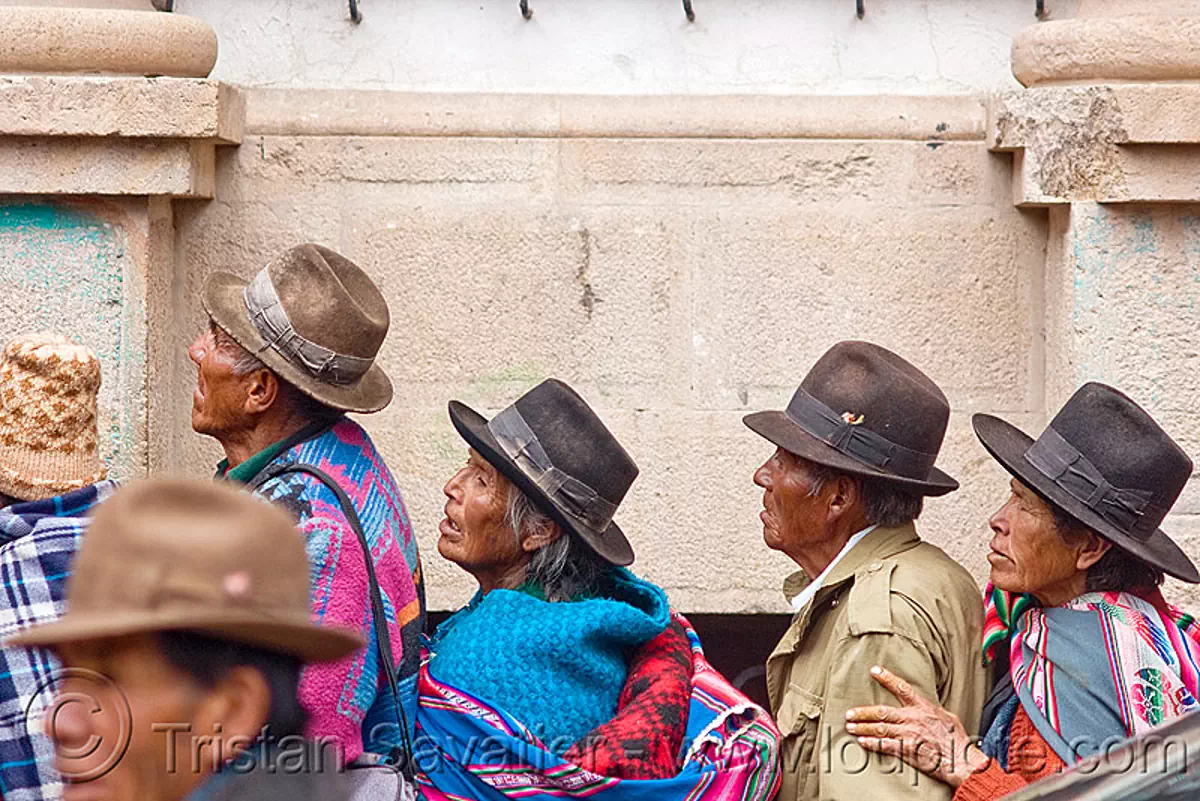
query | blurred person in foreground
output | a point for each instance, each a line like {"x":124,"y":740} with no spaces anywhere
{"x":284,"y":357}
{"x":186,"y":628}
{"x":853,"y":463}
{"x":1086,"y":650}
{"x":51,"y":478}
{"x":571,"y":670}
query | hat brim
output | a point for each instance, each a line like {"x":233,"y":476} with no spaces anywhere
{"x":299,"y":638}
{"x":779,"y":429}
{"x":1007,"y":444}
{"x":222,"y":299}
{"x":610,"y":544}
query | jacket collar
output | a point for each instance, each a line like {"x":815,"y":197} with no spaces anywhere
{"x":882,"y":543}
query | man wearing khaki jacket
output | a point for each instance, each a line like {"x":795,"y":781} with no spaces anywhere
{"x":854,"y":460}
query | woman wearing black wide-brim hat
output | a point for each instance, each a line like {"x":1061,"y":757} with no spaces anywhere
{"x":561,"y":637}
{"x":1087,"y":651}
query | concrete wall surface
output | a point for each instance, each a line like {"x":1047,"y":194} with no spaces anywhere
{"x":1122,"y":298}
{"x":621,"y":46}
{"x":677,"y":283}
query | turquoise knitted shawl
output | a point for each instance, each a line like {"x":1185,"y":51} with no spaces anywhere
{"x":557,"y":667}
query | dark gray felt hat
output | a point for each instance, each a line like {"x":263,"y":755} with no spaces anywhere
{"x":865,"y":411}
{"x":552,"y":446}
{"x":1106,"y":463}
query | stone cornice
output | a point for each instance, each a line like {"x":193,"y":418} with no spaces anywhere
{"x":1122,"y":143}
{"x":328,"y":112}
{"x":114,"y":136}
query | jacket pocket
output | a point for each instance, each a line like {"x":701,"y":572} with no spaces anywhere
{"x":799,"y":721}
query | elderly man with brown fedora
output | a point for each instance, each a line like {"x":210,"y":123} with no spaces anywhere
{"x":854,"y":460}
{"x":51,"y":478}
{"x":285,"y":356}
{"x":186,"y":628}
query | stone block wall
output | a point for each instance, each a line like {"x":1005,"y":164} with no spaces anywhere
{"x":678,"y":276}
{"x":681,"y":257}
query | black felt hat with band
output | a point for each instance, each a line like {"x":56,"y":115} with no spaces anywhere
{"x":1108,"y":465}
{"x":864,"y":410}
{"x":553,"y":447}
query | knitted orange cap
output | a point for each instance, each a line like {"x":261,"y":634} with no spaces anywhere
{"x":48,"y":438}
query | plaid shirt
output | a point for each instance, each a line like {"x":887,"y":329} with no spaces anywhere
{"x":37,"y":542}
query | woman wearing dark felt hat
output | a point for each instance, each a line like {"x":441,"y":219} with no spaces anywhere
{"x":1086,"y":650}
{"x":570,"y":660}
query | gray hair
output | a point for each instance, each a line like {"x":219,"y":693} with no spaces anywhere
{"x":884,"y":504}
{"x":245,"y":363}
{"x":564,"y":569}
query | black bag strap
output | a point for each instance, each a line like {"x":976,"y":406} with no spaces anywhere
{"x":383,"y":640}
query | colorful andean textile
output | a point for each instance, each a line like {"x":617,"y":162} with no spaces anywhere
{"x":468,"y":749}
{"x":38,"y":540}
{"x":645,"y":738}
{"x":349,"y":699}
{"x":559,"y":668}
{"x":1080,"y":703}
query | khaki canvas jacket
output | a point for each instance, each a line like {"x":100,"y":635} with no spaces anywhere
{"x":892,"y":601}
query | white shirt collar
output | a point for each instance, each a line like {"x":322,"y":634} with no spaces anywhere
{"x":806,"y":595}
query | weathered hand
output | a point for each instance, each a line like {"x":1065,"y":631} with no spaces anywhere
{"x":920,"y":732}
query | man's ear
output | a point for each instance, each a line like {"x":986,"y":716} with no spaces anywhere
{"x":1091,"y":551}
{"x":262,"y":389}
{"x":234,"y":711}
{"x":843,"y":493}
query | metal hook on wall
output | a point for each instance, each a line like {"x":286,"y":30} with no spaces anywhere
{"x":526,"y":11}
{"x":355,"y":14}
{"x":858,"y":9}
{"x":687,"y":10}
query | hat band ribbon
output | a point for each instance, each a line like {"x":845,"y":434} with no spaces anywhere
{"x":1058,"y":460}
{"x":572,"y":496}
{"x":274,"y":326}
{"x":855,"y":441}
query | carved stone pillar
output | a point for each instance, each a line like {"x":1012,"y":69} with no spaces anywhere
{"x":106,"y":117}
{"x":1107,"y":138}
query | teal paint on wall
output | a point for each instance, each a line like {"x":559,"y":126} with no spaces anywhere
{"x":63,"y":269}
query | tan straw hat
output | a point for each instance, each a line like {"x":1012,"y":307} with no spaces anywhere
{"x":172,"y":554}
{"x":315,"y":318}
{"x":48,"y":388}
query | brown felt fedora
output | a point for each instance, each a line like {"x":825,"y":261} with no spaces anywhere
{"x":552,"y":446}
{"x":180,"y":555}
{"x":315,"y":318}
{"x":1106,"y":463}
{"x":865,"y":411}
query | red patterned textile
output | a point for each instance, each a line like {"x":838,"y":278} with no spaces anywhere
{"x":645,"y":738}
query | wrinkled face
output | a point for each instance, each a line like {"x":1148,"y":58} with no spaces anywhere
{"x":791,"y":517}
{"x":218,"y":403}
{"x":1028,"y":554}
{"x":474,"y":534}
{"x":91,"y":717}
